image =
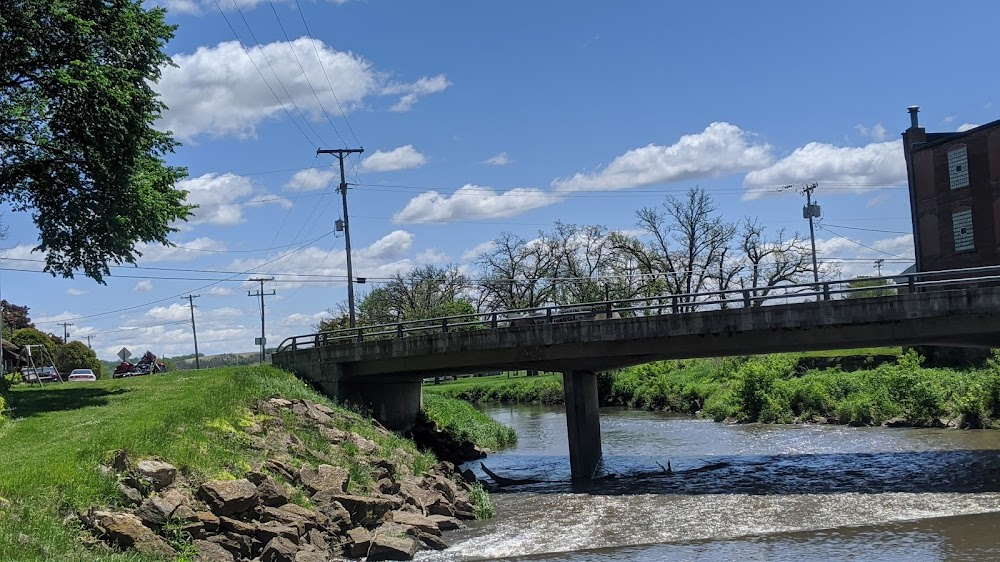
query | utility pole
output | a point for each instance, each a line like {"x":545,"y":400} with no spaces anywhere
{"x":878,"y":266}
{"x":261,"y":294}
{"x":88,"y":342}
{"x":194,"y":331}
{"x":66,"y":326}
{"x":340,"y":153}
{"x":810,"y":211}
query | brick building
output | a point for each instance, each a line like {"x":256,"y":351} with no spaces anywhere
{"x":954,"y":181}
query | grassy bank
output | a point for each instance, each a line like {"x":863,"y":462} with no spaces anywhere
{"x":466,"y":423}
{"x":773,"y":389}
{"x":58,"y":435}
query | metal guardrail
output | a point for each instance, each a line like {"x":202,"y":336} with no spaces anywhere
{"x":927,"y":281}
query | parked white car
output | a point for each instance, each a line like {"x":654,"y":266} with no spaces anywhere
{"x":82,"y":375}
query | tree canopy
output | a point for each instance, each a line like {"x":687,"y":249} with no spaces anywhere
{"x":78,"y":149}
{"x":76,"y":355}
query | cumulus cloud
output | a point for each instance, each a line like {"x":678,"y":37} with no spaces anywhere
{"x":431,"y":255}
{"x":218,"y":198}
{"x":311,"y":179}
{"x":500,"y":159}
{"x":854,"y":260}
{"x":217,"y":90}
{"x":144,"y":286}
{"x":857,"y":168}
{"x":381,"y":258}
{"x":473,"y":202}
{"x":74,"y":292}
{"x":478,"y":250}
{"x":402,"y":158}
{"x":410,"y":93}
{"x":181,"y":251}
{"x":876,"y":132}
{"x":720,"y":149}
{"x":967,"y":126}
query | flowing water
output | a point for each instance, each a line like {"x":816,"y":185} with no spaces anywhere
{"x":740,"y":492}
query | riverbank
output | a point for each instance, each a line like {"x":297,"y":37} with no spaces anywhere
{"x":72,"y":475}
{"x":775,"y":389}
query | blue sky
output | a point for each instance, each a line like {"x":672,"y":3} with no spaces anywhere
{"x":478,"y":118}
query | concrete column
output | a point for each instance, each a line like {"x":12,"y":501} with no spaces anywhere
{"x":394,"y":404}
{"x":583,"y":422}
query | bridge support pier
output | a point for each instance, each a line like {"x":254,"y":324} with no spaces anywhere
{"x":394,"y":404}
{"x":583,"y":422}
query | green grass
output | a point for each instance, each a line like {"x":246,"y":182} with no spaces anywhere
{"x":864,"y":351}
{"x":57,"y":436}
{"x":540,"y":389}
{"x":463,"y":421}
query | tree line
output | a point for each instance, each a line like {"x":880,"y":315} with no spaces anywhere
{"x":680,"y":247}
{"x":19,"y":331}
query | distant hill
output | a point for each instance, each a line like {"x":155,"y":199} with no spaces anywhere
{"x":220,"y":360}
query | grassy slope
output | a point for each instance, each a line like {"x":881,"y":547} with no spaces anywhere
{"x":462,"y":420}
{"x":58,"y":434}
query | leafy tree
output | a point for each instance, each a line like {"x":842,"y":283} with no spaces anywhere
{"x":76,"y":355}
{"x":77,"y":145}
{"x":14,"y":318}
{"x":32,"y":336}
{"x":870,"y":288}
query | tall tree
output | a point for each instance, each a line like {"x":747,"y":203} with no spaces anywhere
{"x":76,"y":355}
{"x":14,"y":318}
{"x":519,"y":273}
{"x":688,"y":243}
{"x":78,"y":149}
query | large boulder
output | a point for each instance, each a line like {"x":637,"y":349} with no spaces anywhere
{"x":268,"y":531}
{"x":366,"y":511}
{"x":228,"y":497}
{"x":127,"y":531}
{"x":416,"y":521}
{"x":392,"y":548}
{"x":272,"y":494}
{"x":279,"y":550}
{"x":445,"y":523}
{"x":159,"y":473}
{"x":359,"y":541}
{"x":155,"y":512}
{"x":324,"y":477}
{"x":211,"y":552}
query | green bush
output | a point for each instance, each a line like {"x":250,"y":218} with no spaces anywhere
{"x":464,"y":422}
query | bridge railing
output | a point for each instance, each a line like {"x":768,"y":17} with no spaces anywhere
{"x":656,"y":305}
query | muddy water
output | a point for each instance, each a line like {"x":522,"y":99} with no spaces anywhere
{"x":741,"y":492}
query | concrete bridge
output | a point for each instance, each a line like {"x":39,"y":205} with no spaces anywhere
{"x":382,"y":367}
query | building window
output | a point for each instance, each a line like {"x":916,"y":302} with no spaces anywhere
{"x":961,"y":223}
{"x":958,"y":167}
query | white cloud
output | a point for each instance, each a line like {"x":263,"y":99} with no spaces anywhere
{"x":311,"y":179}
{"x":380,"y":259}
{"x":854,"y":260}
{"x":876,"y":201}
{"x":431,"y":255}
{"x":876,"y":132}
{"x":720,"y":149}
{"x":74,"y":292}
{"x":299,"y":320}
{"x":857,"y":168}
{"x":478,"y":250}
{"x":219,"y":198}
{"x":500,"y":159}
{"x":217,"y":91}
{"x":411,"y":93}
{"x":949,"y":119}
{"x":182,"y":251}
{"x":401,"y":158}
{"x":967,"y":126}
{"x":473,"y":202}
{"x":144,"y":286}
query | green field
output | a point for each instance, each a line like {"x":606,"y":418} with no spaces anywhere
{"x":58,"y":435}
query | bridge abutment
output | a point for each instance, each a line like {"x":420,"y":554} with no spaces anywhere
{"x":583,"y":422}
{"x":394,"y":404}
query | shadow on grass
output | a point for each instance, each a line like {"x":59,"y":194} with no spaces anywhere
{"x":56,"y":398}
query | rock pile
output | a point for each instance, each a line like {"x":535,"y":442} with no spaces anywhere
{"x":254,"y":519}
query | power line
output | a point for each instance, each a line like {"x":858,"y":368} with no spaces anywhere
{"x":328,"y":81}
{"x":835,"y":233}
{"x":305,"y":74}
{"x":266,"y":83}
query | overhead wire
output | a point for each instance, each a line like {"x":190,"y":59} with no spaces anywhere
{"x":261,"y":73}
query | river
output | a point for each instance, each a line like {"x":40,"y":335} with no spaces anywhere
{"x":740,"y":492}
